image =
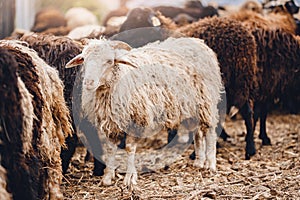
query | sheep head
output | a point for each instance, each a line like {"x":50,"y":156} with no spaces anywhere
{"x":99,"y":59}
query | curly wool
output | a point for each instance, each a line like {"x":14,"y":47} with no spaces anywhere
{"x":236,"y":51}
{"x":278,"y":61}
{"x":53,"y":122}
{"x":56,"y":52}
{"x":190,"y":53}
{"x":277,"y":52}
{"x":234,"y":45}
{"x":13,"y":130}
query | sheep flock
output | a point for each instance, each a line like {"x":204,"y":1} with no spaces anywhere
{"x":199,"y":101}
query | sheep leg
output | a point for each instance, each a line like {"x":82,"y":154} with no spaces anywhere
{"x":247,"y":114}
{"x":193,"y":155}
{"x":130,"y":178}
{"x":224,"y":135}
{"x":256,"y":115}
{"x":211,"y":149}
{"x":122,"y":144}
{"x":263,"y":133}
{"x":200,"y":149}
{"x":67,"y":153}
{"x":109,"y":171}
{"x":95,"y":145}
{"x":171,"y":135}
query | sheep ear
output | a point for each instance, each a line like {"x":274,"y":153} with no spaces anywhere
{"x":123,"y":60}
{"x":78,"y":60}
{"x":120,"y":45}
{"x":154,"y":20}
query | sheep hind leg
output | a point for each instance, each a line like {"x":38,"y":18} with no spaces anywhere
{"x":247,"y":114}
{"x":109,"y":171}
{"x":263,"y":132}
{"x":130,"y":178}
{"x":224,"y":135}
{"x":67,"y":153}
{"x":200,"y":149}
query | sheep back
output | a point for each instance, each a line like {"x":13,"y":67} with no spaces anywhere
{"x":236,"y":51}
{"x":278,"y":62}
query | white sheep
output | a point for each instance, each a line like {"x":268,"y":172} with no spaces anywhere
{"x":79,"y":16}
{"x":142,"y":91}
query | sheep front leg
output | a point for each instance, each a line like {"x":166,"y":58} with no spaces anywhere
{"x":200,"y":147}
{"x":131,"y":173}
{"x":109,"y":171}
{"x":211,"y":149}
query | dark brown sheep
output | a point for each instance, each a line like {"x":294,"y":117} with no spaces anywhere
{"x":57,"y":51}
{"x":28,"y":174}
{"x":24,"y":174}
{"x":45,"y":125}
{"x":278,"y":60}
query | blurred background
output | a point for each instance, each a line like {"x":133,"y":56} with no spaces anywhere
{"x":20,"y":13}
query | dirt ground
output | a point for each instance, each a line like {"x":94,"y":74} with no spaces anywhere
{"x":273,"y":173}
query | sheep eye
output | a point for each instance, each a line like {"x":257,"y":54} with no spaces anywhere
{"x":109,"y":62}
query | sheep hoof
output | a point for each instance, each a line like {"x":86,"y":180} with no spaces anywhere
{"x":266,"y":142}
{"x":107,"y":178}
{"x":212,"y":167}
{"x":130,"y":180}
{"x":249,"y":154}
{"x":106,"y":181}
{"x":199,"y":163}
{"x":193,"y":156}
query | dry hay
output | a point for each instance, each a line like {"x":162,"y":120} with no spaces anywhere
{"x":273,"y":173}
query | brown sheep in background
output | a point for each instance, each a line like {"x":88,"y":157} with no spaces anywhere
{"x":278,"y":60}
{"x":58,"y":31}
{"x":251,"y":5}
{"x":270,"y":21}
{"x":196,"y":13}
{"x":291,"y":101}
{"x":48,"y":18}
{"x":286,"y":7}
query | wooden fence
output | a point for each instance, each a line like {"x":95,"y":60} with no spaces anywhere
{"x":7,"y":17}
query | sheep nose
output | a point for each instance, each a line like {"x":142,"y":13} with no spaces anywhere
{"x":89,"y":83}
